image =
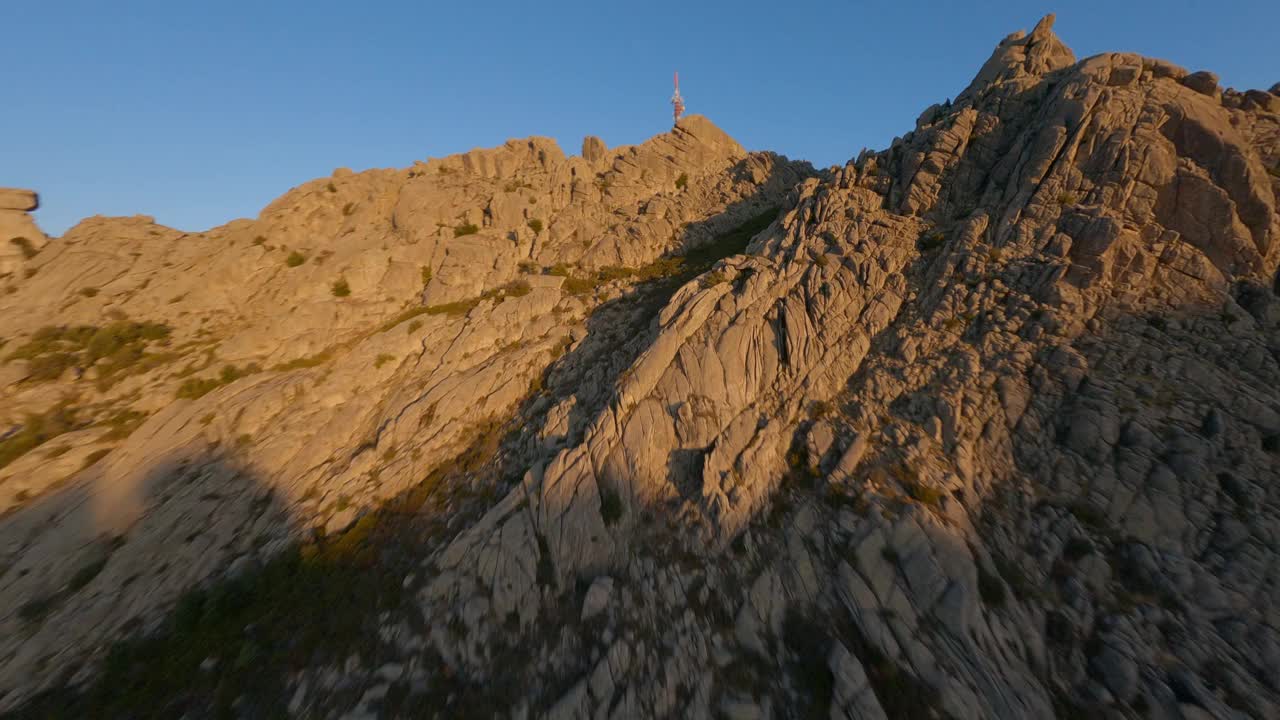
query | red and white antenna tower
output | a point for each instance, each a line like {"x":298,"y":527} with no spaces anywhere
{"x":677,"y":102}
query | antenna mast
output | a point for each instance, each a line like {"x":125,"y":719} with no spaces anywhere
{"x":677,"y":102}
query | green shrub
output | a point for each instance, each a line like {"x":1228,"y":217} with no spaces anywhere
{"x":516,"y":288}
{"x":713,"y":278}
{"x":460,"y":307}
{"x":118,"y":349}
{"x":610,"y":506}
{"x":1076,"y":548}
{"x":926,"y":494}
{"x":682,"y":182}
{"x":193,"y":388}
{"x":609,"y":273}
{"x":49,"y":367}
{"x":340,"y":288}
{"x":465,"y":229}
{"x":36,"y":430}
{"x":820,"y":408}
{"x":122,"y":424}
{"x":403,"y":315}
{"x":295,"y":259}
{"x":95,"y":456}
{"x":535,"y":225}
{"x":513,"y":289}
{"x":383,"y":359}
{"x":990,"y":587}
{"x":579,"y":286}
{"x":932,"y":241}
{"x":309,"y":361}
{"x":426,"y":275}
{"x":1090,"y":516}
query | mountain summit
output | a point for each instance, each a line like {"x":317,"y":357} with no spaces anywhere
{"x":984,"y":424}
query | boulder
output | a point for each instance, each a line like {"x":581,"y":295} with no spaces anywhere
{"x":16,"y":199}
{"x":1203,"y":82}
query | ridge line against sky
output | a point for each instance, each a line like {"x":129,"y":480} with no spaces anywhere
{"x":200,"y":115}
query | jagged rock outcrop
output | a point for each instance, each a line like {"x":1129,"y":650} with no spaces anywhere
{"x":20,"y":238}
{"x":325,"y":357}
{"x":945,"y":336}
{"x":985,"y":424}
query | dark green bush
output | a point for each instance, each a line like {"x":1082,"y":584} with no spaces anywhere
{"x":610,"y":506}
{"x":37,"y":430}
{"x":990,"y":587}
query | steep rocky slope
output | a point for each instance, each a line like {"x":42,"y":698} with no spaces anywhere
{"x":986,"y":424}
{"x":185,"y":402}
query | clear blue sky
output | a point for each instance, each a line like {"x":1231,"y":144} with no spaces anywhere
{"x":200,"y":112}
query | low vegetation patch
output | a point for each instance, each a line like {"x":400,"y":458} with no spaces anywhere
{"x":117,"y":350}
{"x":514,"y":289}
{"x":926,"y":494}
{"x":465,"y":229}
{"x":932,"y":241}
{"x":308,"y":361}
{"x":37,"y":430}
{"x":95,"y":456}
{"x":535,"y":225}
{"x":675,"y":269}
{"x":295,"y":259}
{"x":122,"y":424}
{"x":193,"y":388}
{"x":340,"y":288}
{"x":403,"y":315}
{"x":989,"y":586}
{"x":610,"y":506}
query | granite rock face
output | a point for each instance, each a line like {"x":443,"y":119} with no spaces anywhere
{"x":194,"y":400}
{"x":20,"y":237}
{"x":985,"y":424}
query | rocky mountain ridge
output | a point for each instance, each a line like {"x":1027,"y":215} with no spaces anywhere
{"x":985,"y":424}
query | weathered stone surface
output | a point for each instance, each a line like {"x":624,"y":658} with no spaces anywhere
{"x":15,"y":199}
{"x":1203,"y":82}
{"x":984,"y":424}
{"x":322,"y":405}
